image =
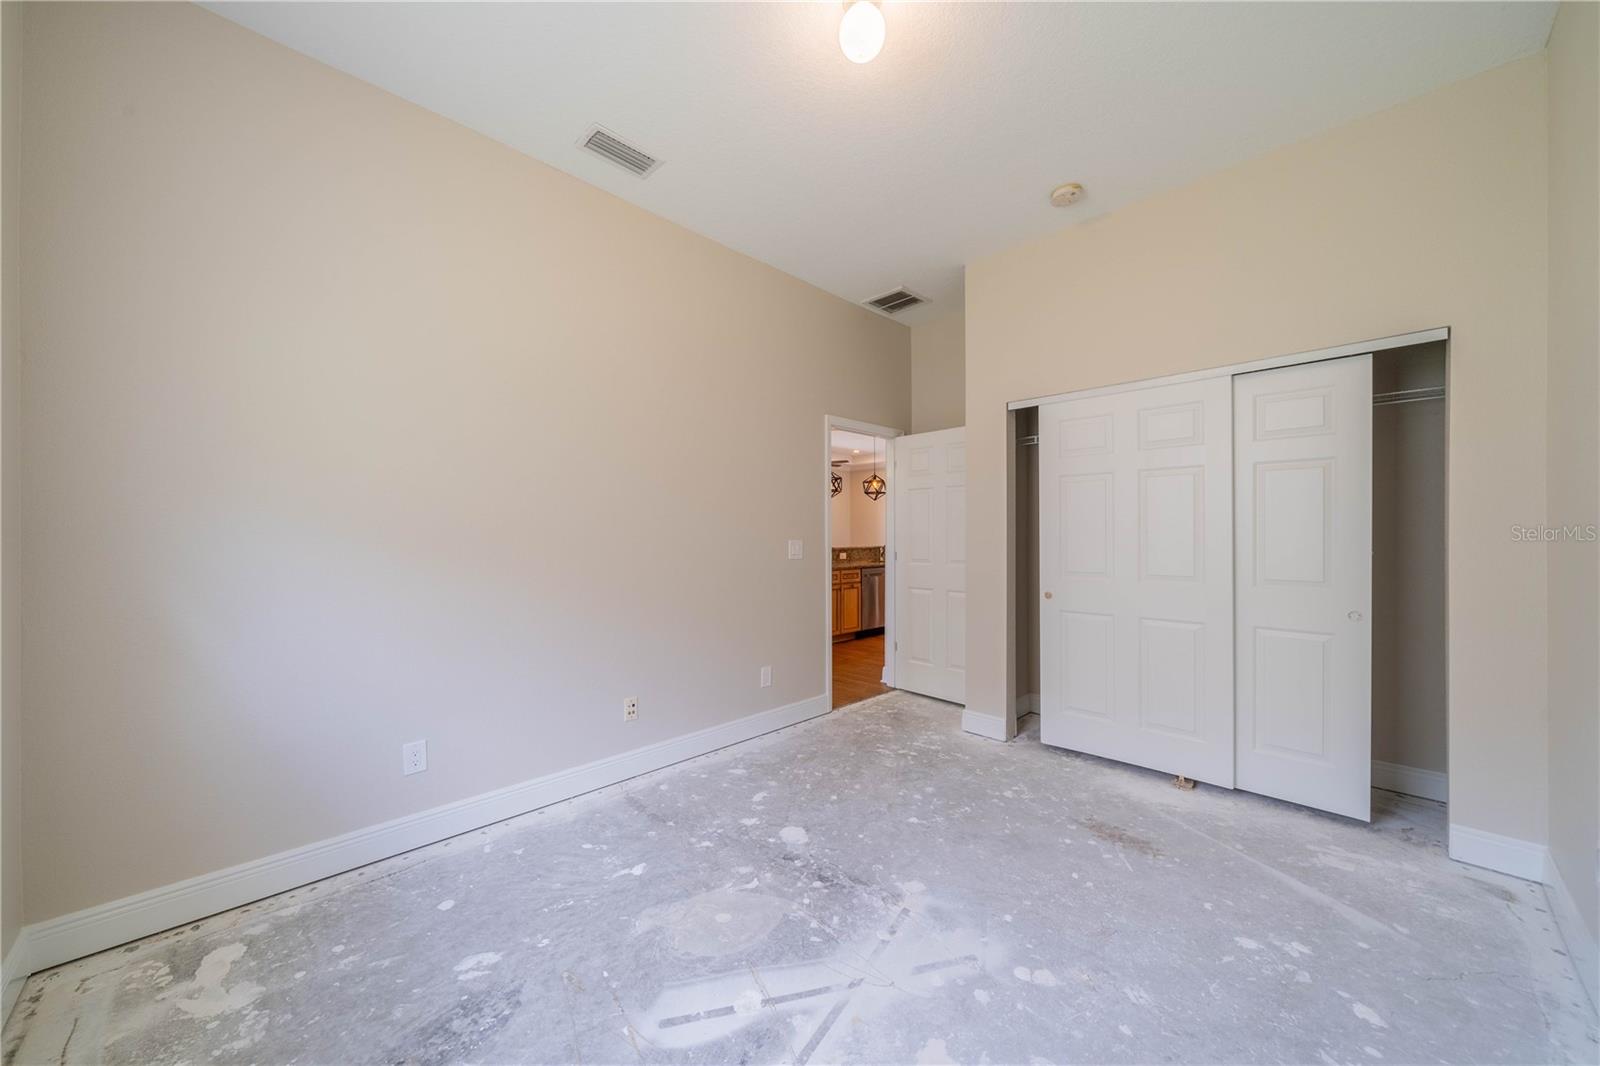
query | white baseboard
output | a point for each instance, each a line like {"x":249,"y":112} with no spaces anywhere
{"x":85,"y":932}
{"x":1507,"y":855}
{"x":1428,"y":784}
{"x":985,"y":725}
{"x":1582,"y":946}
{"x":14,"y":971}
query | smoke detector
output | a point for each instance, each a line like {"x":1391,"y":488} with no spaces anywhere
{"x":1066,"y":195}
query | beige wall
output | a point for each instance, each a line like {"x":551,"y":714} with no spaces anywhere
{"x":1574,"y":454}
{"x":839,"y":513}
{"x":938,"y":373}
{"x":1428,"y":214}
{"x":10,"y":486}
{"x":307,"y":368}
{"x":856,"y":521}
{"x":1409,"y":698}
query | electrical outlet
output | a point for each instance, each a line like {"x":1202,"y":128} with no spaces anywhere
{"x":766,"y":677}
{"x":630,"y":708}
{"x":414,"y":757}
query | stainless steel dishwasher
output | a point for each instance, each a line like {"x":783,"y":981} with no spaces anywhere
{"x":872,"y":598}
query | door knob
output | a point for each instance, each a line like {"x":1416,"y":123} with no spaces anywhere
{"x":1354,"y":616}
{"x":1048,"y":594}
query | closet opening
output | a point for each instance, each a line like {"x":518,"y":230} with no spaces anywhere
{"x":1409,"y":566}
{"x":1238,"y":576}
{"x":1025,"y":590}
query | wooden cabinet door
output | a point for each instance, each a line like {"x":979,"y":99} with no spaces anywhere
{"x":849,"y":615}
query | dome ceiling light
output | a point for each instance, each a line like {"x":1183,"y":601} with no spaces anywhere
{"x":861,"y":32}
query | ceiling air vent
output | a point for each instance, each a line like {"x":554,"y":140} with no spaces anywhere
{"x":610,"y":147}
{"x":891,"y":303}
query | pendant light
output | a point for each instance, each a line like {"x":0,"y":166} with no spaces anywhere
{"x":836,"y":482}
{"x":874,"y":486}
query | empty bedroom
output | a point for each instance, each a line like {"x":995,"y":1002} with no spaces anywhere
{"x":867,"y":532}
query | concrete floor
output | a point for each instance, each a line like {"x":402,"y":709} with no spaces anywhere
{"x":872,"y":886}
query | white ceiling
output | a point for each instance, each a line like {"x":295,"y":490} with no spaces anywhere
{"x":860,"y":179}
{"x":858,"y":447}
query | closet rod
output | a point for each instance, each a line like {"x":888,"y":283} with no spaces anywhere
{"x":1408,"y":396}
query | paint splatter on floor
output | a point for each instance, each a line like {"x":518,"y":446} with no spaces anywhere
{"x":917,"y":895}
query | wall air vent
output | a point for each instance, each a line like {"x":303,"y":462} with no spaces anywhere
{"x":891,"y":303}
{"x":614,"y":149}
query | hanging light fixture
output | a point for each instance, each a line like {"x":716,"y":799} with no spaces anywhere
{"x":836,"y":481}
{"x":874,"y":486}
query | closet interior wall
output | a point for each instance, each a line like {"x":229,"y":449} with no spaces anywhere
{"x":1408,"y":557}
{"x":1026,"y":594}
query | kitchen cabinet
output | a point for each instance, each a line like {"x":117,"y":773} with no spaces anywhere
{"x":846,"y":603}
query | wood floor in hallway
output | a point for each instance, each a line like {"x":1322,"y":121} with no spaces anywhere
{"x":858,"y":670}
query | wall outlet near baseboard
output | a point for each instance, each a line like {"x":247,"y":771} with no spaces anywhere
{"x":630,"y":709}
{"x":766,"y":677}
{"x":414,"y":757}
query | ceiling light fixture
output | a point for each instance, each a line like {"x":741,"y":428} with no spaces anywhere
{"x":1066,"y":195}
{"x":861,"y":32}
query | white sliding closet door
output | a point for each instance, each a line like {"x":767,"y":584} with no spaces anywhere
{"x":1303,"y":531}
{"x":1136,"y":574}
{"x":930,"y":563}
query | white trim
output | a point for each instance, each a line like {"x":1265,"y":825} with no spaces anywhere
{"x":984,"y":725}
{"x":1507,"y":855}
{"x":1027,"y":703}
{"x":14,"y":971}
{"x":1411,"y":781}
{"x":85,"y":932}
{"x":888,"y":433}
{"x":1402,"y":340}
{"x":1582,"y":946}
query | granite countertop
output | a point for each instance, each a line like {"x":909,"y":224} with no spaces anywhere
{"x":856,"y":558}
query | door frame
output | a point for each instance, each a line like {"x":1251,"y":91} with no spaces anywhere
{"x":888,"y":433}
{"x":1401,"y":340}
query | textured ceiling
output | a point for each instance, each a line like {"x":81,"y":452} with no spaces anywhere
{"x":860,"y":179}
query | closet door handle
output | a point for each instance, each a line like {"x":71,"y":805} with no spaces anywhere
{"x":1048,"y":594}
{"x":1355,"y":616}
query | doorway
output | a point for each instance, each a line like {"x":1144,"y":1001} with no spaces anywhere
{"x":859,"y":510}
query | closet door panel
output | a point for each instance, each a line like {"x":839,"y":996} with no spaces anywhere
{"x":1136,"y":569}
{"x":1303,"y":529}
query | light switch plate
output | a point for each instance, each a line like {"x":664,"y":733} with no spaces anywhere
{"x":797,"y":549}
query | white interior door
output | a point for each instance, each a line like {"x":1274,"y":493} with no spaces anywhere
{"x":930,"y":563}
{"x":1303,"y":536}
{"x":1136,"y":575}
